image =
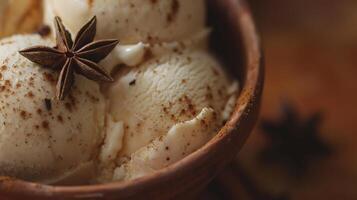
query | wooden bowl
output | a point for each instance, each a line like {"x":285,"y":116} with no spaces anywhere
{"x":236,"y":43}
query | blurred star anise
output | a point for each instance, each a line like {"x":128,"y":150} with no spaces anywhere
{"x":71,"y":57}
{"x":294,"y":143}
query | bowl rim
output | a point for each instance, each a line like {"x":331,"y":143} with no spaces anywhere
{"x":251,"y":90}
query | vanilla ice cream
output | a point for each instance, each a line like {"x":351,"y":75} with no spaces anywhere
{"x":173,"y":88}
{"x":169,"y":98}
{"x":43,"y":139}
{"x":162,"y":103}
{"x":181,"y":140}
{"x":132,"y":21}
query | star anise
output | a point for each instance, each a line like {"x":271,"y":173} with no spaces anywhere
{"x":294,"y":143}
{"x":71,"y":57}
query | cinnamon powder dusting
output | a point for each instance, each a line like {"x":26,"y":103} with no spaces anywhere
{"x":45,"y":125}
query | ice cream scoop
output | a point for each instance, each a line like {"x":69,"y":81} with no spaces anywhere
{"x":152,"y":98}
{"x":155,"y":97}
{"x":43,"y":139}
{"x":132,"y":21}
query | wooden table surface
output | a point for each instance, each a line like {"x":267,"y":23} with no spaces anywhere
{"x":311,"y":60}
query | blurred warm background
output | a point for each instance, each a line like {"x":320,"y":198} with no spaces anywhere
{"x":311,"y":62}
{"x":19,"y":16}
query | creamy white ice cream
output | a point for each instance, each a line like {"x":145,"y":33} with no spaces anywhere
{"x":138,"y":25}
{"x":164,"y":91}
{"x":132,"y":21}
{"x":156,"y":102}
{"x":170,"y":96}
{"x":181,"y":140}
{"x":43,"y":139}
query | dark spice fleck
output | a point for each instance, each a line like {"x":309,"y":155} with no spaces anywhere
{"x":91,"y":97}
{"x":132,"y":82}
{"x":165,"y":109}
{"x":183,"y":112}
{"x":30,"y":94}
{"x":60,"y":118}
{"x":48,"y":104}
{"x":49,"y":77}
{"x":174,"y":10}
{"x":2,"y":88}
{"x":8,"y":83}
{"x":45,"y":125}
{"x":68,"y":106}
{"x":23,"y":114}
{"x":204,"y":123}
{"x":148,"y":55}
{"x":39,"y":111}
{"x":44,"y":31}
{"x":215,"y":71}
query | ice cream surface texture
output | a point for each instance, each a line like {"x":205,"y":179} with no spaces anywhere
{"x":169,"y":98}
{"x":132,"y":21}
{"x":158,"y":100}
{"x":41,"y":138}
{"x":174,"y":88}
